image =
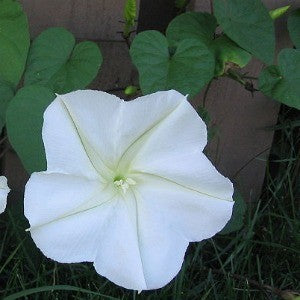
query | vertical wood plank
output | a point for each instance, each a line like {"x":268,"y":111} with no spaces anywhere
{"x":156,"y":15}
{"x":241,"y":119}
{"x":117,"y":70}
{"x":242,"y":145}
{"x":86,"y":19}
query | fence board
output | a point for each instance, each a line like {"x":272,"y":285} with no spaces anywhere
{"x":241,"y":119}
{"x":241,"y":147}
{"x":88,"y":19}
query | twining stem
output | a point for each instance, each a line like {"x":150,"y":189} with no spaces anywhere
{"x":249,"y":161}
{"x":249,"y":77}
{"x":4,"y":152}
{"x":240,"y":78}
{"x":233,"y":74}
{"x":2,"y":140}
{"x":206,"y":93}
{"x":126,"y":37}
{"x":3,"y":148}
{"x":211,"y":6}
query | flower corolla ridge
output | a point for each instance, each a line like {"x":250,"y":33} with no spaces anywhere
{"x":4,"y":190}
{"x":127,"y":186}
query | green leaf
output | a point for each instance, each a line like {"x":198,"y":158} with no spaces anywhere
{"x":24,"y":119}
{"x":278,"y":12}
{"x":249,"y":24}
{"x":129,"y":16}
{"x":54,"y":61}
{"x":14,"y":41}
{"x":6,"y":94}
{"x":294,"y":27}
{"x":192,"y":25}
{"x":237,"y":219}
{"x":282,"y":82}
{"x":130,"y":12}
{"x":187,"y":68}
{"x":228,"y":52}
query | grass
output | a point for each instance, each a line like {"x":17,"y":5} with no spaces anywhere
{"x":261,"y":261}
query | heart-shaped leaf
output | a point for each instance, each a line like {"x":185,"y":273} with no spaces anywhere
{"x":192,"y":25}
{"x":6,"y":94}
{"x":294,"y":27}
{"x":54,"y":61}
{"x":282,"y":82}
{"x":249,"y":24}
{"x":237,"y":219}
{"x":187,"y":68}
{"x":24,"y":119}
{"x":228,"y":52}
{"x":14,"y":41}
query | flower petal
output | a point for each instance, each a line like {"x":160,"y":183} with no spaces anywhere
{"x":66,"y":214}
{"x":162,"y":249}
{"x":117,"y":129}
{"x":136,"y":251}
{"x":64,"y":149}
{"x":4,"y":190}
{"x":118,"y":257}
{"x":136,"y":236}
{"x":187,"y":212}
{"x":193,"y":171}
{"x":160,"y":125}
{"x":97,"y":116}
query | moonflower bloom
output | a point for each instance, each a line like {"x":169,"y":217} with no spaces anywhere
{"x":127,"y":186}
{"x":4,"y":190}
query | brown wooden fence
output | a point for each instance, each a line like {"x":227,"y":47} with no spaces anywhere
{"x":242,"y":143}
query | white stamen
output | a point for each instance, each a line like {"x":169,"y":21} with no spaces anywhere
{"x":124,"y":184}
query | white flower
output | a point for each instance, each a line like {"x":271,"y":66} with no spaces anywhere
{"x":127,"y":186}
{"x":4,"y":190}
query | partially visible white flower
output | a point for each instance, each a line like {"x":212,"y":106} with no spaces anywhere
{"x":4,"y":190}
{"x":127,"y":186}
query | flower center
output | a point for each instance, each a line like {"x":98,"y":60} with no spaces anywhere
{"x":123,"y":183}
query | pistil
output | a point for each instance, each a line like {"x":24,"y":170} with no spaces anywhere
{"x":123,"y":183}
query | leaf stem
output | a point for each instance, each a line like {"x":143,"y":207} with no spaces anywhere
{"x":206,"y":93}
{"x":249,"y":161}
{"x":3,"y":139}
{"x":211,"y":6}
{"x":240,"y":78}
